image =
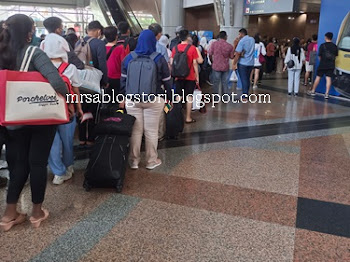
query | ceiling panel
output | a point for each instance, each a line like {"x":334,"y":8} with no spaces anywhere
{"x":50,"y":3}
{"x":310,"y":6}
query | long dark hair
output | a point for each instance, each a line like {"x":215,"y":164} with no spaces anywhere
{"x":13,"y":38}
{"x":257,"y":39}
{"x":195,"y":40}
{"x":72,"y":39}
{"x":296,"y":49}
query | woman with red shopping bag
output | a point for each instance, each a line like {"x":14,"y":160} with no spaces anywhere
{"x":28,"y":146}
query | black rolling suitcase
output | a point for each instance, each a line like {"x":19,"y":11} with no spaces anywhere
{"x":174,"y":121}
{"x":109,"y":156}
{"x":108,"y":161}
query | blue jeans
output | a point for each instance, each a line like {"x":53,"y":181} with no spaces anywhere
{"x":244,"y":73}
{"x":61,"y":154}
{"x":239,"y":82}
{"x":220,"y":77}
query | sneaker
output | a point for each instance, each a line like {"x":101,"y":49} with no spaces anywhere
{"x":310,"y":93}
{"x":296,"y":94}
{"x":59,"y":180}
{"x":289,"y":94}
{"x":134,"y":166}
{"x":70,"y":170}
{"x":255,"y":87}
{"x":209,"y":83}
{"x":3,"y":164}
{"x":326,"y":96}
{"x":157,"y":164}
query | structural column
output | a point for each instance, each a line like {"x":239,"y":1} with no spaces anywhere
{"x":172,"y":15}
{"x":234,"y":18}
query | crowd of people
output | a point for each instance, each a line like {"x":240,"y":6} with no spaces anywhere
{"x":182,"y":64}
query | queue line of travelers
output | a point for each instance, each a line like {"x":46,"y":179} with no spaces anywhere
{"x":29,"y":149}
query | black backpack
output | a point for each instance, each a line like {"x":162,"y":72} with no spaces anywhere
{"x":180,"y":67}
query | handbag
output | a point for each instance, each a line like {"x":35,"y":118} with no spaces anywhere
{"x":91,"y":79}
{"x":291,"y":63}
{"x":233,"y":77}
{"x":27,"y":98}
{"x":262,"y":59}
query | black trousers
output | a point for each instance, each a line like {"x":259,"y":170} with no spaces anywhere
{"x":27,"y":152}
{"x":114,"y":84}
{"x":270,"y":64}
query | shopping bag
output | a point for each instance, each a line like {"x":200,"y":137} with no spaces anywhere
{"x":233,"y":77}
{"x":27,"y":98}
{"x":197,"y":98}
{"x":91,"y":78}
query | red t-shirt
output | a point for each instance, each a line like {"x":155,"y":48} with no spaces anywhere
{"x":191,"y":55}
{"x":114,"y":63}
{"x":270,"y":49}
{"x":311,"y":47}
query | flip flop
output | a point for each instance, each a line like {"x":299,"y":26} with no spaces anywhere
{"x":36,"y":223}
{"x":191,"y":122}
{"x":6,"y":226}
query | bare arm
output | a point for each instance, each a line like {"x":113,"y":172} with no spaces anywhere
{"x":195,"y":65}
{"x":235,"y":60}
{"x":79,"y":108}
{"x":200,"y":59}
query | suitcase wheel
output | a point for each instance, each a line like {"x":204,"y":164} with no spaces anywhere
{"x":87,"y":187}
{"x":119,"y":189}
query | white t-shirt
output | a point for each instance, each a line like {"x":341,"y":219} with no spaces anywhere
{"x":298,"y":63}
{"x":71,"y":73}
{"x":259,"y":48}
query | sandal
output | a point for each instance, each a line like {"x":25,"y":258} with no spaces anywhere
{"x":6,"y":226}
{"x":36,"y":223}
{"x":191,"y":122}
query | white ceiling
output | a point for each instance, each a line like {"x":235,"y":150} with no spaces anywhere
{"x":53,"y":3}
{"x":145,"y":5}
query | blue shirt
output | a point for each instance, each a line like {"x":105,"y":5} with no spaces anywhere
{"x":246,"y":45}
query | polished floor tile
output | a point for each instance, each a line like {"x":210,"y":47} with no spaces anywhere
{"x":324,"y":217}
{"x":314,"y":246}
{"x":156,"y":231}
{"x":212,"y":196}
{"x":259,"y":182}
{"x":248,"y":168}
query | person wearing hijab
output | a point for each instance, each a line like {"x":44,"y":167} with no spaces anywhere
{"x":164,"y":41}
{"x":297,"y":55}
{"x":147,"y":114}
{"x":203,"y":43}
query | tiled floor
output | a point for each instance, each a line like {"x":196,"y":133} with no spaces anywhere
{"x":245,"y":183}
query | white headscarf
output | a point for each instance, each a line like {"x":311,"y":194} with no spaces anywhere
{"x":210,"y":43}
{"x":164,"y":41}
{"x":204,"y":42}
{"x":55,"y":46}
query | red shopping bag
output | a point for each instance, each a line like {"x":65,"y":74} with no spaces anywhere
{"x":27,"y":98}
